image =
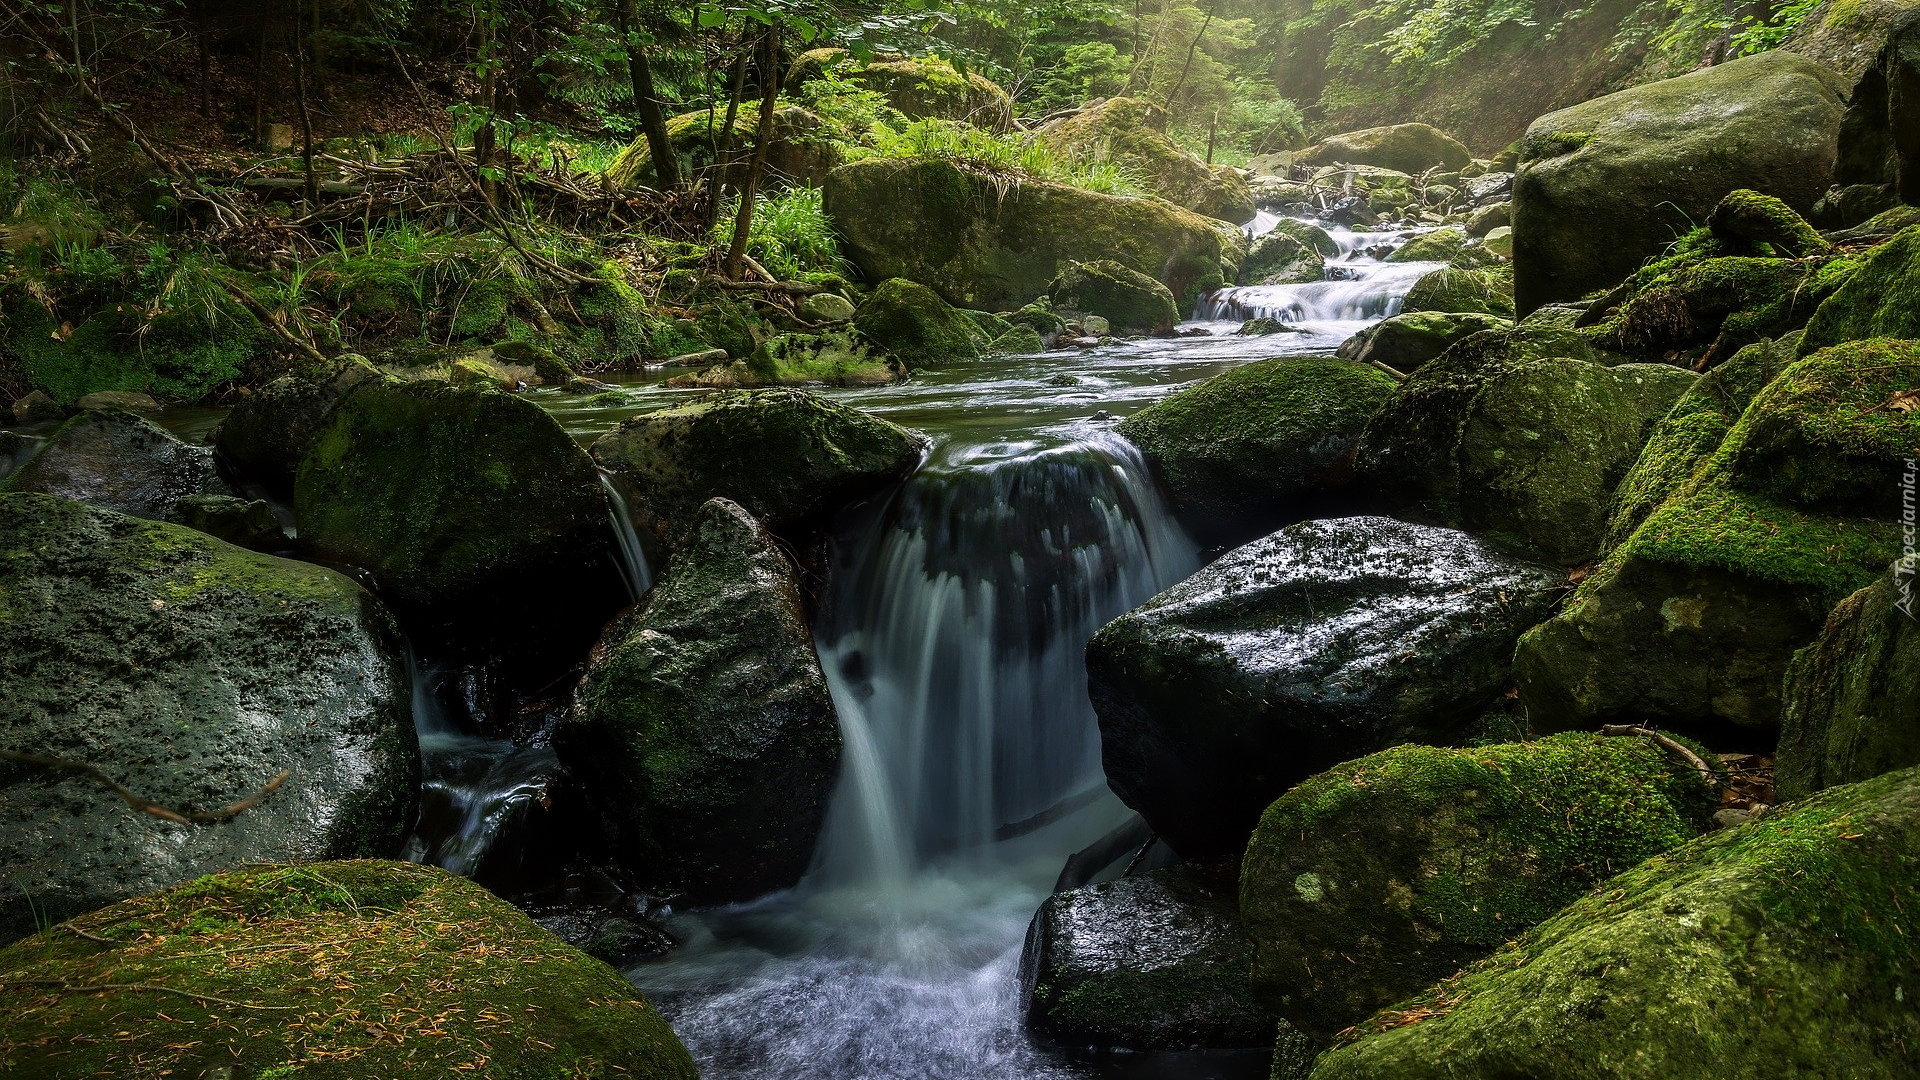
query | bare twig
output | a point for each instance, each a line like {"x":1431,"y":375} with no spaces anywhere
{"x":178,"y":817}
{"x":66,"y":987}
{"x":1671,"y":746}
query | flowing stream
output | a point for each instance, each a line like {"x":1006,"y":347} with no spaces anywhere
{"x":960,"y":606}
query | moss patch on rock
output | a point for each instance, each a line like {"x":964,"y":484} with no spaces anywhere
{"x":1130,"y":301}
{"x":1372,"y":880}
{"x":329,"y":971}
{"x":1462,"y":291}
{"x":1130,"y":133}
{"x":913,"y":323}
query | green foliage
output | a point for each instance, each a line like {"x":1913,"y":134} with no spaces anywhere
{"x":791,"y":236}
{"x":1084,"y":71}
{"x":1011,"y":156}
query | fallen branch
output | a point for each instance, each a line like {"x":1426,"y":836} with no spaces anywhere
{"x":273,"y":325}
{"x":178,"y":817}
{"x":1671,"y":746}
{"x":66,"y":987}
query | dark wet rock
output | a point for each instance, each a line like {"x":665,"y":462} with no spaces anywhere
{"x":1852,"y":698}
{"x":1523,"y":450}
{"x":243,"y":523}
{"x":1248,"y":450}
{"x":192,"y":672}
{"x":1129,"y":301}
{"x":608,"y":936}
{"x":1404,"y":342}
{"x":121,"y":462}
{"x":1265,"y":325}
{"x":14,"y":449}
{"x":1879,"y":143}
{"x":1780,"y":948}
{"x":982,"y":244}
{"x":270,"y":430}
{"x":1320,"y":643}
{"x":1407,"y":148}
{"x":1154,"y":962}
{"x":467,"y":507}
{"x":377,"y":959}
{"x":1691,"y":621}
{"x":703,"y":728}
{"x":1378,"y":878}
{"x":37,"y":408}
{"x":1607,"y":184}
{"x":913,"y":323}
{"x":789,"y":458}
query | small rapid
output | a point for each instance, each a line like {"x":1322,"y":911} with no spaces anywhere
{"x":1360,"y":286}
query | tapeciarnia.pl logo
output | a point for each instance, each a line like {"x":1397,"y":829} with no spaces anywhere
{"x":1904,"y":570}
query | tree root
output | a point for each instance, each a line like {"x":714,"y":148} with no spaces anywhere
{"x":178,"y":817}
{"x":1671,"y":746}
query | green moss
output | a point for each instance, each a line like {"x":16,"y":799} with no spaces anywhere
{"x":344,"y":970}
{"x":1876,"y":301}
{"x":1414,"y":860}
{"x":1749,"y":216}
{"x":1781,"y":947}
{"x":1451,"y":246}
{"x":913,"y":323}
{"x":175,"y":356}
{"x":1709,"y":308}
{"x":1463,"y":290}
{"x":1131,"y":301}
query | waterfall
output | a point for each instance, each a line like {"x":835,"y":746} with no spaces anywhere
{"x":633,"y":560}
{"x":955,"y":636}
{"x":1358,"y":286}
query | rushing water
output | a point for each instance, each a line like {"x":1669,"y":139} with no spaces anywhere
{"x":953,"y":637}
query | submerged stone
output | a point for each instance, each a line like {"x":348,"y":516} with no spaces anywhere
{"x":1320,"y":643}
{"x":193,"y":673}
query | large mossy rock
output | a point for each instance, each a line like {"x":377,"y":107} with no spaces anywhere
{"x":1282,"y":258}
{"x":1701,"y":311}
{"x":480,"y":520}
{"x":1692,"y":619}
{"x":330,"y":970}
{"x":1405,"y":342}
{"x":1876,"y":301}
{"x":981,"y":243}
{"x":1407,"y":148}
{"x":790,"y":458}
{"x":1607,"y":184}
{"x":930,"y":87}
{"x":1462,"y":291}
{"x":1781,"y":948}
{"x":1129,"y":300}
{"x":1847,"y":35}
{"x":1852,"y":698}
{"x":270,"y":430}
{"x":803,"y":150}
{"x":1154,"y":962}
{"x":193,"y":673}
{"x":119,"y":461}
{"x":1322,"y":642}
{"x":1132,"y":134}
{"x":1521,"y":448}
{"x":703,"y":727}
{"x":913,"y":323}
{"x":1245,"y":450}
{"x":1382,"y":876}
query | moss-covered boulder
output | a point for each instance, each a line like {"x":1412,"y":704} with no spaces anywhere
{"x":193,"y":673}
{"x":1129,"y":300}
{"x":1692,"y":620}
{"x":1322,"y":642}
{"x":790,"y":458}
{"x":1153,"y":962}
{"x":1243,"y":451}
{"x":1607,"y":184}
{"x":703,"y":728}
{"x":271,"y":429}
{"x":1852,"y":698}
{"x":1132,"y":134}
{"x":1846,"y":35}
{"x":121,"y":461}
{"x":1875,"y":301}
{"x":1281,"y":258}
{"x":1779,"y":948}
{"x":1747,"y":216}
{"x":332,"y":970}
{"x":916,"y":325}
{"x":804,"y":148}
{"x":1462,"y":291}
{"x":930,"y":87}
{"x":1377,"y":878}
{"x":1407,"y":341}
{"x":1503,"y":438}
{"x":1407,"y":148}
{"x":983,"y":243}
{"x":1451,"y":246}
{"x":469,"y":508}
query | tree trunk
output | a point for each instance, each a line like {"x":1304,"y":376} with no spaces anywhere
{"x":762,"y":139}
{"x":722,"y":141}
{"x":653,"y":122}
{"x":306,"y":115}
